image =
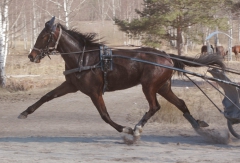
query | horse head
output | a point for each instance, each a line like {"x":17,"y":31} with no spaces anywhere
{"x":45,"y":43}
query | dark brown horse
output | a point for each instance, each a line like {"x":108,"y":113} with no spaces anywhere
{"x":204,"y":49}
{"x":125,"y":73}
{"x":221,"y":51}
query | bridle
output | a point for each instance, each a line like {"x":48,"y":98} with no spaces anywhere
{"x":47,"y":51}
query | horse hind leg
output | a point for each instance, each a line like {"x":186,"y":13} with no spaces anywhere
{"x":167,"y":93}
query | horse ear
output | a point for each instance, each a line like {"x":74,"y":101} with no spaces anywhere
{"x":54,"y":28}
{"x":49,"y":24}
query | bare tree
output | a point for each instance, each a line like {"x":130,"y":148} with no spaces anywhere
{"x":34,"y":22}
{"x":68,"y":7}
{"x":25,"y":31}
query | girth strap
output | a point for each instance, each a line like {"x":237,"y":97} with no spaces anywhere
{"x":106,"y":63}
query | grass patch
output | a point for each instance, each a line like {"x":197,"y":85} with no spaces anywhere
{"x":199,"y":106}
{"x":26,"y":84}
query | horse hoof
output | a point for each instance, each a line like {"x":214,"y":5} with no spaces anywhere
{"x":128,"y":130}
{"x":137,"y":131}
{"x":202,"y":123}
{"x":21,"y":116}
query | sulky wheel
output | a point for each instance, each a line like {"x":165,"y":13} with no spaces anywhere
{"x":234,"y":129}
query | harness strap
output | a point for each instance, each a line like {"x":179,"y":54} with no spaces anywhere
{"x":56,"y":43}
{"x":67,"y":72}
{"x":40,"y":50}
{"x":81,"y":61}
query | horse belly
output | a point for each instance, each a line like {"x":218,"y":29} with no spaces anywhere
{"x":118,"y":80}
{"x":138,"y":73}
{"x":124,"y":75}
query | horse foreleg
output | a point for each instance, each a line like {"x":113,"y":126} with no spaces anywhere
{"x":61,"y":90}
{"x":99,"y":103}
{"x":153,"y":108}
{"x":139,"y":126}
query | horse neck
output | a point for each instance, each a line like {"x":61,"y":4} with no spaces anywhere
{"x":68,"y":44}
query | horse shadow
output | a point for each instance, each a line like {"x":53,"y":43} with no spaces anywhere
{"x":186,"y":83}
{"x":145,"y":139}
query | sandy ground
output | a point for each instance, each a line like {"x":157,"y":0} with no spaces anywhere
{"x":69,"y":130}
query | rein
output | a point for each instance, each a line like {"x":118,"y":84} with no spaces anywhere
{"x":205,"y":93}
{"x":152,"y":63}
{"x":158,"y":54}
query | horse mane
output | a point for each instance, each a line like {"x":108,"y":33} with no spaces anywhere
{"x":87,"y":38}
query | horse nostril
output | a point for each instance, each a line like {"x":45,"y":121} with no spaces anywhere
{"x":30,"y":57}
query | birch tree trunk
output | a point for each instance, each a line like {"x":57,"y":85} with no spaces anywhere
{"x":34,"y":23}
{"x":113,"y":9}
{"x":179,"y":37}
{"x":239,"y":30}
{"x":101,"y":7}
{"x":179,"y":41}
{"x":114,"y":15}
{"x":2,"y":68}
{"x":66,"y":8}
{"x":25,"y":36}
{"x":3,"y":40}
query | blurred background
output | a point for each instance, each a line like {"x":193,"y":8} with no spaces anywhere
{"x":179,"y":27}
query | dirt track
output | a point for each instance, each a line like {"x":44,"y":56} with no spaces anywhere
{"x":69,"y":129}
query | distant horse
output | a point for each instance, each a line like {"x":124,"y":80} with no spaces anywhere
{"x":82,"y":52}
{"x":221,"y":51}
{"x":236,"y":51}
{"x":204,"y":49}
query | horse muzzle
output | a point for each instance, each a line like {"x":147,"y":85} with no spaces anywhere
{"x":34,"y":59}
{"x":31,"y":58}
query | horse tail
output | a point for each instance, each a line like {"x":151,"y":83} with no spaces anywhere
{"x":201,"y":61}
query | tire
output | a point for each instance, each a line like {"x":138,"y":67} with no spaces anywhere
{"x":234,"y":130}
